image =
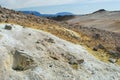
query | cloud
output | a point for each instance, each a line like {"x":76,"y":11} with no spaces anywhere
{"x":37,"y":3}
{"x":97,"y":1}
{"x":33,"y":3}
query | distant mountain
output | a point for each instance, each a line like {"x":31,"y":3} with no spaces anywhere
{"x":64,"y":13}
{"x":31,"y":12}
{"x":47,"y":15}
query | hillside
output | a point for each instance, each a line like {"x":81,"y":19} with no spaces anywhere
{"x":30,"y":54}
{"x":37,"y":48}
{"x":101,"y":19}
{"x":104,"y":45}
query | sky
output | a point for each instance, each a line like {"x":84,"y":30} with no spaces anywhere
{"x":55,"y":6}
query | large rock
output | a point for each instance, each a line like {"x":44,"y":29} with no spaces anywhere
{"x":112,"y":60}
{"x":8,"y":27}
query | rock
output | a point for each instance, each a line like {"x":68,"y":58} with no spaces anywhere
{"x":8,"y":27}
{"x":21,"y":61}
{"x":54,"y":57}
{"x":72,"y":62}
{"x":80,"y":61}
{"x":95,"y":48}
{"x":50,"y":40}
{"x":96,"y":36}
{"x":38,"y":41}
{"x":114,"y":53}
{"x":0,"y":12}
{"x":29,"y":34}
{"x":118,"y":48}
{"x":112,"y":60}
{"x":50,"y":65}
{"x":100,"y":46}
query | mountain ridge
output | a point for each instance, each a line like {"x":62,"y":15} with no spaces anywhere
{"x":47,"y":15}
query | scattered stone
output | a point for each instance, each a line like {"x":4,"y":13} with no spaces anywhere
{"x":21,"y":50}
{"x":92,"y":73}
{"x":38,"y":42}
{"x":50,"y":65}
{"x":53,"y":57}
{"x":75,"y":66}
{"x":95,"y":48}
{"x":96,"y":36}
{"x":8,"y":27}
{"x":39,"y":48}
{"x":29,"y":34}
{"x":0,"y":12}
{"x":72,"y":61}
{"x":118,"y":48}
{"x":50,"y":40}
{"x":112,"y":60}
{"x":100,"y":46}
{"x":80,"y":61}
{"x":114,"y":53}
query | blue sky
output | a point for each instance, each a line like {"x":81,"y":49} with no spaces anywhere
{"x":55,"y":6}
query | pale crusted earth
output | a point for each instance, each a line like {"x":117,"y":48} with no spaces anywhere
{"x":28,"y":54}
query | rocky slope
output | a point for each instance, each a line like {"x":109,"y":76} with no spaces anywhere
{"x":29,"y":54}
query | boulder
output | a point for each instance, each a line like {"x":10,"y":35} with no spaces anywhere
{"x":50,"y":40}
{"x":114,"y":53}
{"x":80,"y":61}
{"x":95,"y":48}
{"x":8,"y":27}
{"x":96,"y":36}
{"x":21,"y":61}
{"x":100,"y":46}
{"x":112,"y":60}
{"x":118,"y":48}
